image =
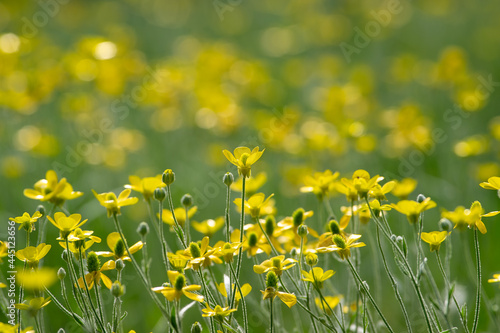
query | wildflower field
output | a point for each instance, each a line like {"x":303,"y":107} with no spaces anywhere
{"x":249,"y":166}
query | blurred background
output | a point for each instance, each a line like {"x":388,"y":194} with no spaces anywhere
{"x":101,"y":90}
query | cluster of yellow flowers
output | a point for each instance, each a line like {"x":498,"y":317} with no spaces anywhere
{"x":211,"y":275}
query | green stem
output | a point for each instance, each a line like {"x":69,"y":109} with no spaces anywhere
{"x":478,"y":293}
{"x":77,"y":292}
{"x":164,"y":246}
{"x":243,"y":302}
{"x":227,"y":215}
{"x":69,"y":312}
{"x":178,"y":228}
{"x":360,"y":282}
{"x":42,"y":226}
{"x":99,"y":303}
{"x":271,"y":316}
{"x":242,"y":223}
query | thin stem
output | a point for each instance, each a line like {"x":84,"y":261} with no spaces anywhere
{"x":70,"y":313}
{"x":99,"y":302}
{"x":242,"y":223}
{"x":65,"y":298}
{"x":271,"y":317}
{"x":478,"y":293}
{"x":42,"y":226}
{"x":227,"y":215}
{"x":77,"y":292}
{"x":178,"y":228}
{"x":360,"y":281}
{"x":164,"y":246}
{"x":243,"y":302}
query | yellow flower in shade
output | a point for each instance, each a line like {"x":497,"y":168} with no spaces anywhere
{"x":359,"y":185}
{"x":362,"y":211}
{"x":402,"y":189}
{"x":4,"y":250}
{"x":412,"y":209}
{"x":471,"y":218}
{"x":180,"y":215}
{"x":52,"y":190}
{"x":201,"y":255}
{"x":378,"y":192}
{"x":253,"y":243}
{"x":493,"y":183}
{"x":80,"y":241}
{"x":434,"y":238}
{"x":227,"y":250}
{"x":112,"y":203}
{"x":257,"y":205}
{"x":34,"y":305}
{"x":245,"y":289}
{"x":66,"y":224}
{"x":96,"y":275}
{"x":32,"y":255}
{"x":178,"y":288}
{"x":316,"y":276}
{"x":6,"y":328}
{"x":218,"y":312}
{"x":208,"y":227}
{"x":117,"y":247}
{"x":496,"y":278}
{"x":37,"y":279}
{"x":252,"y":184}
{"x":26,"y":221}
{"x":243,"y":158}
{"x":277,"y":265}
{"x":321,"y":183}
{"x":342,"y":245}
{"x":178,"y":260}
{"x":332,"y":301}
{"x":271,"y":293}
{"x":146,"y":185}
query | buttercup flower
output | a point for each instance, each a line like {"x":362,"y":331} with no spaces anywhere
{"x":332,"y":301}
{"x":37,"y":279}
{"x":34,"y":305}
{"x":412,"y":209}
{"x":317,"y":276}
{"x":112,"y":203}
{"x":342,"y":245}
{"x":378,"y":192}
{"x":180,"y":215}
{"x":118,"y":251}
{"x":52,"y":190}
{"x":66,"y":224}
{"x":218,"y":312}
{"x":471,"y":218}
{"x":434,"y":238}
{"x":277,"y":265}
{"x":26,"y":221}
{"x":493,"y":183}
{"x":146,"y":185}
{"x":272,"y":291}
{"x":178,"y":288}
{"x":95,"y":272}
{"x":321,"y":183}
{"x":257,"y":205}
{"x":402,"y":189}
{"x":32,"y":255}
{"x":245,"y":289}
{"x":254,"y":242}
{"x":252,"y":184}
{"x":203,"y":255}
{"x":4,"y":250}
{"x":243,"y":158}
{"x":359,"y":185}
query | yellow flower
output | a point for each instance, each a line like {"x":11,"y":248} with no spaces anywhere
{"x":6,"y":328}
{"x":4,"y":250}
{"x":32,"y":255}
{"x":180,"y":215}
{"x":434,"y":238}
{"x":66,"y":224}
{"x":403,"y":188}
{"x":35,"y":304}
{"x":378,"y":192}
{"x":332,"y":301}
{"x":208,"y":227}
{"x":342,"y":245}
{"x":245,"y":289}
{"x":37,"y":279}
{"x":252,"y":184}
{"x":227,"y":250}
{"x":118,"y":251}
{"x":359,"y":185}
{"x":257,"y":205}
{"x":321,"y":183}
{"x":412,"y":209}
{"x":243,"y":158}
{"x":52,"y":190}
{"x":493,"y":183}
{"x":96,"y":276}
{"x":218,"y":312}
{"x":201,"y":255}
{"x":112,"y":203}
{"x":254,"y":243}
{"x":26,"y":221}
{"x":271,"y":293}
{"x":178,"y":281}
{"x":496,"y":278}
{"x":462,"y":217}
{"x":316,"y":276}
{"x":277,"y":265}
{"x":146,"y":185}
{"x":178,"y":260}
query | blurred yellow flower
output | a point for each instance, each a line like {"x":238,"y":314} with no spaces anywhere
{"x":117,"y":247}
{"x":178,"y":288}
{"x":277,"y":265}
{"x":112,"y":203}
{"x":66,"y":224}
{"x":4,"y":250}
{"x":146,"y":185}
{"x":471,"y":218}
{"x":493,"y":183}
{"x":180,"y":215}
{"x":332,"y":302}
{"x":34,"y":305}
{"x":97,"y":275}
{"x":317,"y":276}
{"x":244,"y":158}
{"x":227,"y":250}
{"x":271,"y":293}
{"x":496,"y":278}
{"x":320,"y":183}
{"x":257,"y":205}
{"x":378,"y":192}
{"x":358,"y":186}
{"x":32,"y":255}
{"x":208,"y":227}
{"x":412,"y":209}
{"x":37,"y":279}
{"x":218,"y":312}
{"x":434,"y":238}
{"x":26,"y":221}
{"x":252,"y":184}
{"x":52,"y":190}
{"x":403,"y":188}
{"x":245,"y":289}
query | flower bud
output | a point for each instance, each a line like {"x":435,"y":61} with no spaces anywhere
{"x":445,"y":225}
{"x":61,"y":273}
{"x":334,"y":227}
{"x":41,"y":209}
{"x":143,"y":229}
{"x":117,"y":290}
{"x":195,"y":250}
{"x":159,"y":194}
{"x":187,"y":200}
{"x":196,"y":327}
{"x":270,"y":225}
{"x":302,"y":231}
{"x":271,"y":280}
{"x":168,"y":177}
{"x":61,"y":330}
{"x":293,"y":252}
{"x":311,"y":259}
{"x":228,"y":179}
{"x":298,"y":217}
{"x":93,"y":263}
{"x":64,"y":255}
{"x":119,"y":264}
{"x":420,"y":198}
